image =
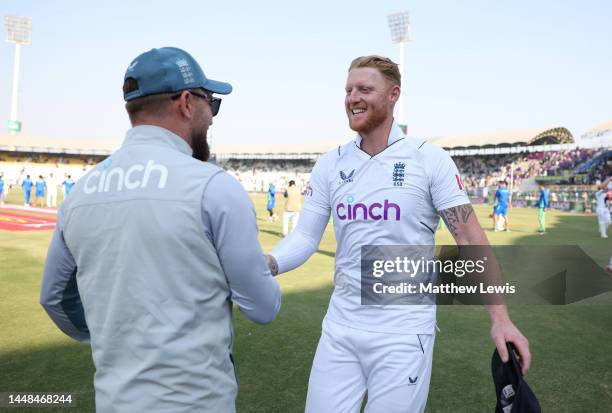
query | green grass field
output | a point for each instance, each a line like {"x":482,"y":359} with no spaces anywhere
{"x":571,"y":345}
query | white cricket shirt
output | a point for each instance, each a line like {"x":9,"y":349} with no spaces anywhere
{"x":391,"y":198}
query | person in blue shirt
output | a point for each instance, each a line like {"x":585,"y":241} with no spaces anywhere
{"x":41,"y":189}
{"x":26,"y":184}
{"x":542,"y":204}
{"x":494,"y":216}
{"x":271,"y":202}
{"x":2,"y":194}
{"x":68,"y":184}
{"x":502,"y":201}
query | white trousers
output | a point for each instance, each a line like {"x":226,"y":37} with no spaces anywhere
{"x":294,"y":217}
{"x":603,"y":219}
{"x":395,"y":369}
{"x":501,"y":223}
{"x":52,"y":198}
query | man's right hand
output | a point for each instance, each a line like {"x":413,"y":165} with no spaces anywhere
{"x":272,"y":264}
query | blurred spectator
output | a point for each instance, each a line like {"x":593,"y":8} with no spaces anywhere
{"x":3,"y":189}
{"x":271,"y":202}
{"x":293,"y":206}
{"x":53,"y":183}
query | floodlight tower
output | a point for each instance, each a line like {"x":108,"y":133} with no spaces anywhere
{"x":18,"y":31}
{"x":399,"y":24}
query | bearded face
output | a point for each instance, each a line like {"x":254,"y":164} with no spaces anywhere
{"x":199,"y":144}
{"x":199,"y":131}
{"x":367,"y":103}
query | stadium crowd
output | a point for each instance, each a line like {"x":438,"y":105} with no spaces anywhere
{"x":477,"y":171}
{"x":257,"y":175}
{"x":487,"y":170}
{"x":480,"y":173}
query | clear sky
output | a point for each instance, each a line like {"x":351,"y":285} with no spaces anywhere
{"x":472,"y":66}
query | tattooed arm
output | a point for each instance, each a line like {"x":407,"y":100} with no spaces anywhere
{"x":466,"y":230}
{"x":464,"y":226}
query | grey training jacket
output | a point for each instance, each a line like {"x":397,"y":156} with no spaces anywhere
{"x":136,"y":268}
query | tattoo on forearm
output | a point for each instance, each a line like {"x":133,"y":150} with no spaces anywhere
{"x":449,"y":216}
{"x":452,"y":216}
{"x":466,"y":211}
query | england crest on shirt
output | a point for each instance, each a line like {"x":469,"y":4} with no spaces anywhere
{"x":398,"y":173}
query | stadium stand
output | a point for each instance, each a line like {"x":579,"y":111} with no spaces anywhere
{"x":522,"y":157}
{"x":480,"y":170}
{"x":256,"y":175}
{"x":34,"y":156}
{"x":517,"y":139}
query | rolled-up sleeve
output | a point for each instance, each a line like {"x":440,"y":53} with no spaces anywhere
{"x":230,"y":220}
{"x":59,"y":293}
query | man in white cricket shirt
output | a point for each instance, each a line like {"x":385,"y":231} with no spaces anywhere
{"x":381,"y":188}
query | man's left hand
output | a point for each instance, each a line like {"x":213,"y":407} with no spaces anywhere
{"x":503,"y":332}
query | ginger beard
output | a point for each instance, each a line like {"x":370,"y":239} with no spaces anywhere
{"x":367,"y":101}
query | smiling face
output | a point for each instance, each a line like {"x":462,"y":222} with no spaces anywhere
{"x":369,"y":100}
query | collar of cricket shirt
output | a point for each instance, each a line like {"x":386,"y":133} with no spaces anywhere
{"x":155,"y":134}
{"x":395,"y":134}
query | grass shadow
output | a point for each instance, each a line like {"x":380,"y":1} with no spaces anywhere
{"x":273,"y":362}
{"x":272,"y":232}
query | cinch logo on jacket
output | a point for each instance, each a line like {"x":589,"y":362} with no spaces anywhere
{"x":376,"y":211}
{"x":136,"y":176}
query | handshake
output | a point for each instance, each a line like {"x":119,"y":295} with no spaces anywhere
{"x":272,"y":264}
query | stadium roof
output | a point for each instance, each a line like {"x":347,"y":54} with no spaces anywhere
{"x":20,"y":143}
{"x":604,"y":127}
{"x":312,"y":147}
{"x":599,"y":136}
{"x":541,"y":136}
{"x":83,"y":146}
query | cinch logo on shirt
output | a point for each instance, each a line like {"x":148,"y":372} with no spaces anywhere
{"x":136,"y":176}
{"x":376,"y":211}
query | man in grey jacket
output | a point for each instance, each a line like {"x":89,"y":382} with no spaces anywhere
{"x":153,"y":246}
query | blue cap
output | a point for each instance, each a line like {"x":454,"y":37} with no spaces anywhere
{"x":167,"y":70}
